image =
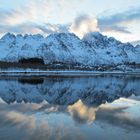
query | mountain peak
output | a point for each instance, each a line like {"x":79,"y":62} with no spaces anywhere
{"x":62,"y":35}
{"x":135,"y":43}
{"x":95,"y":39}
{"x":8,"y":36}
{"x":34,"y":36}
{"x":93,"y":35}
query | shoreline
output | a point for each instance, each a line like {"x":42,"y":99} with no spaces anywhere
{"x":65,"y":73}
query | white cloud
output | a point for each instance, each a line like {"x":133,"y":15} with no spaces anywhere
{"x":34,"y":17}
{"x":84,"y":24}
{"x":82,"y":113}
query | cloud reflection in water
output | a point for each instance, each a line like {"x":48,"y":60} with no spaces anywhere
{"x":77,"y":117}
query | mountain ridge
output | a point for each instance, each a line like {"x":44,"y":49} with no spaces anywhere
{"x":93,"y":49}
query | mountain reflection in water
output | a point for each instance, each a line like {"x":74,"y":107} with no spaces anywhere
{"x":49,"y":108}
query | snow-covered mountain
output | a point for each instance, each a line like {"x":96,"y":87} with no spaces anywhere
{"x":93,"y":50}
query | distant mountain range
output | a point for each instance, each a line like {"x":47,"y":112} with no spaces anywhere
{"x":92,"y":50}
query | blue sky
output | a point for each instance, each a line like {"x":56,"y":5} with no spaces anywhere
{"x":119,"y":18}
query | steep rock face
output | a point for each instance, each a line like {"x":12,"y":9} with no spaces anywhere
{"x":109,"y":50}
{"x":136,"y":54}
{"x":93,"y":49}
{"x":14,"y":48}
{"x":67,"y":48}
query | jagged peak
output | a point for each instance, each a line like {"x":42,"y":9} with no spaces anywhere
{"x":138,"y":46}
{"x":96,"y":39}
{"x":8,"y":36}
{"x":33,"y":36}
{"x":128,"y":46}
{"x":62,"y":35}
{"x":112,"y":39}
{"x":92,"y":38}
{"x":38,"y":36}
{"x":135,"y":43}
{"x":19,"y":36}
{"x":93,"y":35}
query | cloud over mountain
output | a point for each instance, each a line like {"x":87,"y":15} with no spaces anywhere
{"x":84,"y":24}
{"x":34,"y":17}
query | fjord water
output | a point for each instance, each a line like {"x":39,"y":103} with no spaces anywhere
{"x":70,"y":108}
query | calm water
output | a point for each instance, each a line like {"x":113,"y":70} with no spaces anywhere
{"x":70,"y":108}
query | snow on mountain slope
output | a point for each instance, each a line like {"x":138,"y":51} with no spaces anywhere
{"x":109,"y":50}
{"x":67,"y":48}
{"x":13,"y":47}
